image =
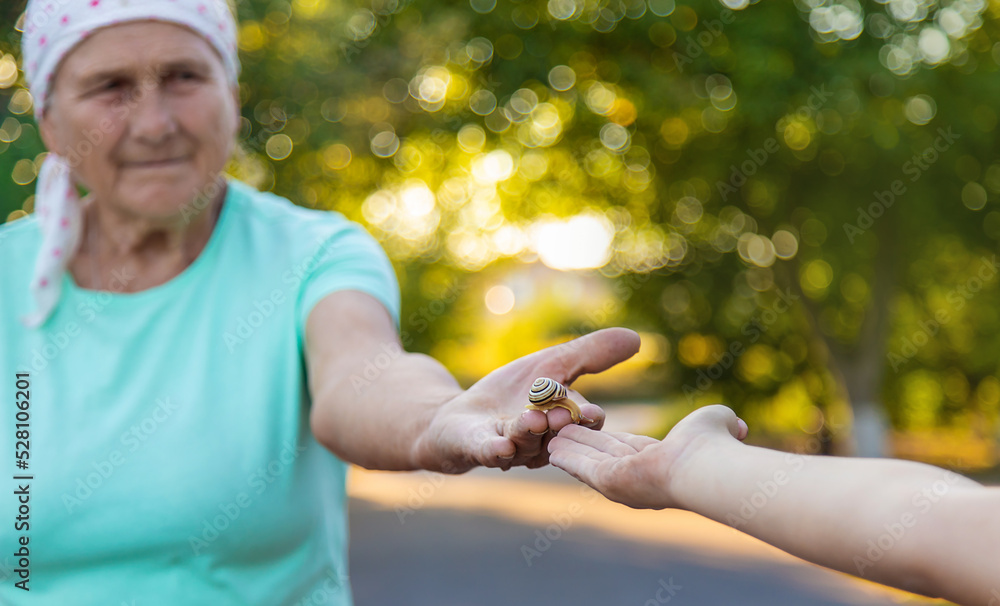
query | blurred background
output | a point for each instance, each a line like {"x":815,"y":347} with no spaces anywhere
{"x":794,"y":203}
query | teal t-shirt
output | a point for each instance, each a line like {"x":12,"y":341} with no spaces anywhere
{"x":171,"y":459}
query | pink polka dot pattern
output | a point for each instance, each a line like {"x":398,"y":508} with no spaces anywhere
{"x":52,"y":29}
{"x":60,"y":218}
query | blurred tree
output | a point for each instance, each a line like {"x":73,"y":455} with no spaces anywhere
{"x":806,"y":191}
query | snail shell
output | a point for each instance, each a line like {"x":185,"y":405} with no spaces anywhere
{"x":544,"y":390}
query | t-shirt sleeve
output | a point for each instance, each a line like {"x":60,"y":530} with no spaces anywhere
{"x":349,"y":259}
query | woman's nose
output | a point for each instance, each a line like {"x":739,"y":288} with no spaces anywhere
{"x":152,"y":119}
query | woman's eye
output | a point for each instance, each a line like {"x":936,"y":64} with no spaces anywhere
{"x":114,"y":87}
{"x":182,"y":76}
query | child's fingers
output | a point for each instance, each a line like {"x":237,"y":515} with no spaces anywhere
{"x":598,"y":440}
{"x":637,"y":442}
{"x":558,"y":444}
{"x":743,"y":430}
{"x":580,"y":466}
{"x":715,"y":418}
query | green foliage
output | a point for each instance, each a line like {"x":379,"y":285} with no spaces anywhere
{"x":738,"y":159}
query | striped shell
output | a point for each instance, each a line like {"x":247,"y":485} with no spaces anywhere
{"x":545,"y":390}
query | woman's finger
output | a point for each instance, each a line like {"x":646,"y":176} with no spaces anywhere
{"x":496,"y":451}
{"x":595,"y":352}
{"x":527,"y":432}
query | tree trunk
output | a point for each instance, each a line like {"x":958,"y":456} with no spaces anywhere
{"x":861,"y":371}
{"x":860,"y":367}
{"x":870,"y":429}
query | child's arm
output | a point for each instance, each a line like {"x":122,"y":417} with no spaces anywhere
{"x":905,"y":524}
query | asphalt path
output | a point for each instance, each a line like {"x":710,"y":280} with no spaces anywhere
{"x":457,"y":555}
{"x":480,"y":540}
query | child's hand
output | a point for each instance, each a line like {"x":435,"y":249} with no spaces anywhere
{"x":639,"y":471}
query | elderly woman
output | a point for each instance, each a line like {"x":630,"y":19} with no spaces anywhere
{"x":184,"y":351}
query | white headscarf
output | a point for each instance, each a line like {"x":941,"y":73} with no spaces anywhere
{"x":52,"y":28}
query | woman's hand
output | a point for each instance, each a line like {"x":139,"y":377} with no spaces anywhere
{"x":639,"y":471}
{"x":488,"y":425}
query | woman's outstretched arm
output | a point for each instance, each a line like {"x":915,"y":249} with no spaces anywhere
{"x":381,"y":407}
{"x":905,"y":524}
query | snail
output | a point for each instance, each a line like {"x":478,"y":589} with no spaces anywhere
{"x":546,"y":394}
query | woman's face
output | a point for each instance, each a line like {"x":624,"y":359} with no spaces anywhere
{"x":146,"y":117}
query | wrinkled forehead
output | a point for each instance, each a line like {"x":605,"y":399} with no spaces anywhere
{"x":138,"y":50}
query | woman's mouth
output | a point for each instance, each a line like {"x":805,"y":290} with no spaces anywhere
{"x":160,"y":163}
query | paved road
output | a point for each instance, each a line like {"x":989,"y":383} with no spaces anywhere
{"x":462,"y":546}
{"x":444,"y":557}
